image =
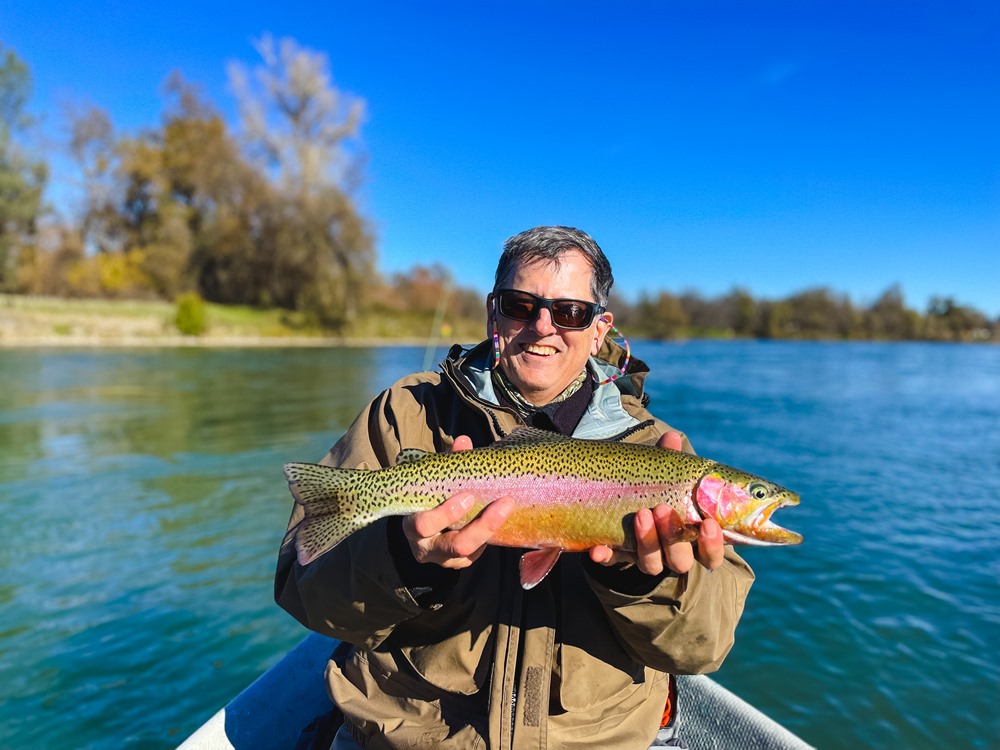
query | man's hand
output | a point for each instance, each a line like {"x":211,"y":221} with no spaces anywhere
{"x":429,"y":534}
{"x":655,"y":552}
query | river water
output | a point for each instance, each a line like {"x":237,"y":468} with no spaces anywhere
{"x":143,"y":504}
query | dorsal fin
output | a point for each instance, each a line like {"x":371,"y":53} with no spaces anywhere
{"x":409,"y":455}
{"x":529,"y":436}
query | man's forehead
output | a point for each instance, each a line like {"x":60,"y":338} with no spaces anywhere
{"x":539,"y":263}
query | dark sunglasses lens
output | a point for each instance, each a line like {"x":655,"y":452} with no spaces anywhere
{"x":566,"y":313}
{"x":518,"y":306}
{"x":572,"y":313}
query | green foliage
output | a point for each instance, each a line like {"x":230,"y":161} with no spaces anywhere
{"x":264,"y":219}
{"x":811,"y":314}
{"x":21,"y":179}
{"x":663,"y":316}
{"x":191,"y":317}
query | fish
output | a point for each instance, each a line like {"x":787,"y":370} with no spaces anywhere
{"x":570,"y":495}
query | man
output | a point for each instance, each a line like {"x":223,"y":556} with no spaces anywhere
{"x":449,"y":649}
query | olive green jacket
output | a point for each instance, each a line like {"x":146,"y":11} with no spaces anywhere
{"x":469,"y":659}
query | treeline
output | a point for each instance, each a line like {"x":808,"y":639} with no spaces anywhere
{"x":815,"y":314}
{"x":262,"y":216}
{"x":812,"y":314}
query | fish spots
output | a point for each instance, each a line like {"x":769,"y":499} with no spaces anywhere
{"x":570,"y":494}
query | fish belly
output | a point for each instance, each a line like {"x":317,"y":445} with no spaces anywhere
{"x":551,"y":511}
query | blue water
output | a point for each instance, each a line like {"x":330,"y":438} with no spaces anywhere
{"x":143,"y":504}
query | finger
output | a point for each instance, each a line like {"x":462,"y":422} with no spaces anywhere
{"x":671,"y":440}
{"x":462,"y":443}
{"x":427,"y":523}
{"x":602,"y":555}
{"x":649,"y":553}
{"x":711,"y":546}
{"x":473,"y":537}
{"x":679,"y":556}
{"x":674,"y":539}
{"x":607,"y":556}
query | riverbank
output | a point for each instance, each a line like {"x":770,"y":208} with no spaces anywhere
{"x":56,"y":322}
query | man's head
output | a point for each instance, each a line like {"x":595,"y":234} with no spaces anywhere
{"x":550,"y":244}
{"x":544,"y":343}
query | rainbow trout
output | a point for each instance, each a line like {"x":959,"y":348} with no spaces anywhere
{"x":570,"y":495}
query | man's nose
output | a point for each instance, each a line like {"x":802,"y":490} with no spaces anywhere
{"x":543,"y":323}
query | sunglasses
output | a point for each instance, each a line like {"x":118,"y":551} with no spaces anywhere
{"x":521,"y":306}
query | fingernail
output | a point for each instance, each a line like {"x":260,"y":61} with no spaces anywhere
{"x":466,"y":502}
{"x":505,"y":508}
{"x":645,"y":521}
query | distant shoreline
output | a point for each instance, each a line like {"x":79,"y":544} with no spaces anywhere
{"x":57,"y":323}
{"x":50,"y":322}
{"x":199,"y":342}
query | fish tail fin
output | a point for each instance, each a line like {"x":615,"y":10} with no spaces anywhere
{"x":333,"y":507}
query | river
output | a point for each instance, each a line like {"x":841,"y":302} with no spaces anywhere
{"x":143,"y":504}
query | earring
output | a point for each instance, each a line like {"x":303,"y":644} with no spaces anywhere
{"x":628,"y":354}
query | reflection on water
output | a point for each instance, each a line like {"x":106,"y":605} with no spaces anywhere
{"x":143,"y":504}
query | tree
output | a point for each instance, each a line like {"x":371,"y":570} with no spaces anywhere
{"x":662,"y":316}
{"x":93,"y":147}
{"x":742,"y":312}
{"x":21,"y":179}
{"x":950,"y":321}
{"x":889,"y":318}
{"x":304,"y":130}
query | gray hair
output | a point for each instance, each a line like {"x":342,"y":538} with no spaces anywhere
{"x":550,"y":244}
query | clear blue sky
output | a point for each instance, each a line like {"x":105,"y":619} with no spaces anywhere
{"x":775,"y":146}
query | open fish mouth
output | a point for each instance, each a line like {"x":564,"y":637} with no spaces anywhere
{"x":758,"y":528}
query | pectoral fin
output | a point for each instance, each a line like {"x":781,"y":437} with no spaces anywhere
{"x":536,"y":564}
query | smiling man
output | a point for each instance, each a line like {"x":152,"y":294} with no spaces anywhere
{"x":448,"y":649}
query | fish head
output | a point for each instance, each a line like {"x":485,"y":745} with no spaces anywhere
{"x":743,"y":504}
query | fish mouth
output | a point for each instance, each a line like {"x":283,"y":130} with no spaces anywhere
{"x":759,"y":530}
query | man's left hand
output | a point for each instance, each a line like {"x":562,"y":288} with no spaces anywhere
{"x":656,"y":552}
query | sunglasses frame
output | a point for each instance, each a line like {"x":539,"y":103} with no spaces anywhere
{"x":544,"y":302}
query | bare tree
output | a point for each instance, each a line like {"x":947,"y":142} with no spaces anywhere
{"x":306,"y":130}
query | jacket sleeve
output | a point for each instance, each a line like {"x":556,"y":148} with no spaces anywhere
{"x":354,"y":592}
{"x":683,"y":624}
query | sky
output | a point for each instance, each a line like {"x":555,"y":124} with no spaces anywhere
{"x":771,"y":146}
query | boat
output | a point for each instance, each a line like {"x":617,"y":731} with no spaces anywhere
{"x":271,"y":712}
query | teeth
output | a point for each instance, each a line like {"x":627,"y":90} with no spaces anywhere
{"x":536,"y":349}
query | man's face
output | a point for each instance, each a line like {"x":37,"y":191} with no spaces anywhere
{"x":539,"y":358}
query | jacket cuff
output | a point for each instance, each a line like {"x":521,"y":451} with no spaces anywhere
{"x":429,"y":583}
{"x":628,"y":580}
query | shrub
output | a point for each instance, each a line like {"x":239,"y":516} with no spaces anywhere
{"x":191,"y":318}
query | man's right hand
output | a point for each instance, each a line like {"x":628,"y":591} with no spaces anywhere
{"x":429,"y":532}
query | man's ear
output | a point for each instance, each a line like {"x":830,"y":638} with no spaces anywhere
{"x":490,"y":314}
{"x":604,"y":324}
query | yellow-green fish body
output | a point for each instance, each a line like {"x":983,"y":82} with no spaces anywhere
{"x":569,"y":494}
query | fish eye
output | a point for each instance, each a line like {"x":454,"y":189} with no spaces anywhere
{"x":758,"y":491}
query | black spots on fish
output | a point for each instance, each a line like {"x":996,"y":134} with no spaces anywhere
{"x":338,"y":502}
{"x":332,"y":506}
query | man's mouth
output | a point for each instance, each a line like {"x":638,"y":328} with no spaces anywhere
{"x":539,"y":349}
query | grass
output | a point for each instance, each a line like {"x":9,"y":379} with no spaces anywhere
{"x":51,"y":320}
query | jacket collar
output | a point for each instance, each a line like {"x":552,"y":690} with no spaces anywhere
{"x":606,"y":417}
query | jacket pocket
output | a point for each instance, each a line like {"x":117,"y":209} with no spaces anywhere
{"x":458,"y":664}
{"x":591,"y":665}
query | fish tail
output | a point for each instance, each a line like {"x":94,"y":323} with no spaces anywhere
{"x":334,"y":507}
